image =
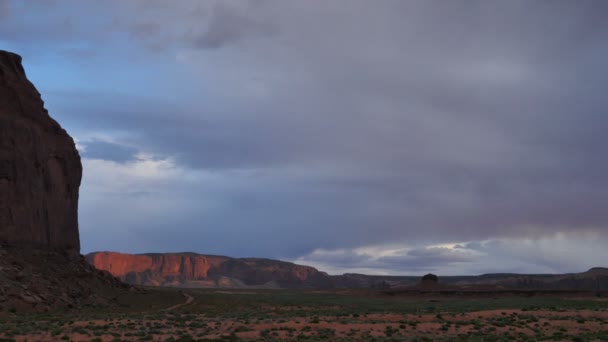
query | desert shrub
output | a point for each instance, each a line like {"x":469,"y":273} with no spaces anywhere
{"x":326,"y":333}
{"x":242,"y":328}
{"x":389,"y":331}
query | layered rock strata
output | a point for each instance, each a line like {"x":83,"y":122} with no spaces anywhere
{"x":195,"y":270}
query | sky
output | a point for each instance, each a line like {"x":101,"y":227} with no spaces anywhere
{"x":380,"y":137}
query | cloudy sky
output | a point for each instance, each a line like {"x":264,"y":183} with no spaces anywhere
{"x":384,"y":137}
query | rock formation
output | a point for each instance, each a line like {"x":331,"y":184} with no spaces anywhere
{"x":157,"y":267}
{"x":42,"y":280}
{"x":41,"y":268}
{"x":430,"y":278}
{"x":40,"y":168}
{"x":428,"y":282}
{"x":195,"y":270}
{"x":210,"y":271}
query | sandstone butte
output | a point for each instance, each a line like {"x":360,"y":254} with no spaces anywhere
{"x":196,"y":270}
{"x":41,"y":268}
{"x":40,"y":169}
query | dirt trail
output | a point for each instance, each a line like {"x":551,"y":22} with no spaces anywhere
{"x":189,"y":300}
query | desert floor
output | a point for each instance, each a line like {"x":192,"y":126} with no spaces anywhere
{"x":347,"y":315}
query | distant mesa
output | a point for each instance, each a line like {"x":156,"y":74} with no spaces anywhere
{"x":207,"y":271}
{"x":191,"y":270}
{"x":598,"y":270}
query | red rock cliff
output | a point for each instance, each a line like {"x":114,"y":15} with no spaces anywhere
{"x":195,"y":270}
{"x":40,"y":169}
{"x":190,"y":266}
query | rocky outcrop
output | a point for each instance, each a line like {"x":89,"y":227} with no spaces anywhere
{"x":41,"y":268}
{"x":210,"y":271}
{"x":430,"y":278}
{"x":40,"y":169}
{"x":257,"y":271}
{"x":195,"y":270}
{"x":429,"y":281}
{"x":155,"y":269}
{"x":47,"y":280}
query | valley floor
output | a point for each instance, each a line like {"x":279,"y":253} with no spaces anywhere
{"x":190,"y":315}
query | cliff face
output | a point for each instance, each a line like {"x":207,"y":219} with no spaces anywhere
{"x":189,"y":266}
{"x":195,"y":270}
{"x":254,"y":271}
{"x":40,"y":169}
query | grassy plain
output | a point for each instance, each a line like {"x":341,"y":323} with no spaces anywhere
{"x":338,"y":315}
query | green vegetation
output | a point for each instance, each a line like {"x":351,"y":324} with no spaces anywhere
{"x":313,"y":315}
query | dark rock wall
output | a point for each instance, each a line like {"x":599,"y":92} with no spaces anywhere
{"x":40,"y":169}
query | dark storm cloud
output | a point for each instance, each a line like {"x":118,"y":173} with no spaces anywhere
{"x":4,"y":8}
{"x":227,"y":26}
{"x":361,"y":122}
{"x":56,"y":25}
{"x":488,"y":124}
{"x":97,"y":149}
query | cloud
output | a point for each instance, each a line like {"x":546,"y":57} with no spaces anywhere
{"x":5,"y":8}
{"x":317,"y":126}
{"x":97,"y":149}
{"x":560,"y":253}
{"x":390,"y":259}
{"x":227,"y":25}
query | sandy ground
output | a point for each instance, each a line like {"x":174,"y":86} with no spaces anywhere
{"x":496,"y":322}
{"x":189,"y":300}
